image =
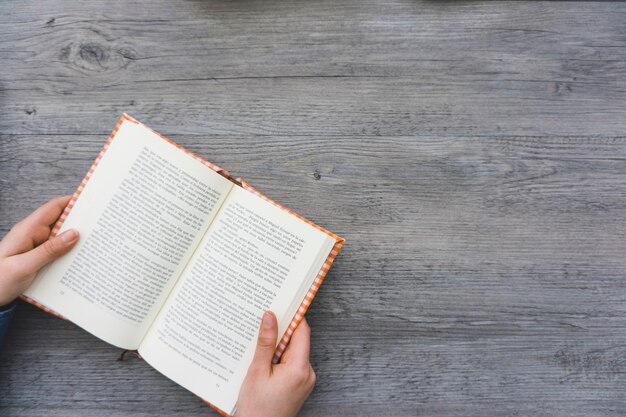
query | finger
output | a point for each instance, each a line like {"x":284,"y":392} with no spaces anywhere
{"x":48,"y":251}
{"x":266,"y":344}
{"x":49,"y":212}
{"x":299,"y":346}
{"x":34,"y":229}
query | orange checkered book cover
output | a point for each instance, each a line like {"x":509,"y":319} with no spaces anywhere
{"x":308,"y":298}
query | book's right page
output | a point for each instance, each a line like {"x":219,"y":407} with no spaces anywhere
{"x":254,"y":257}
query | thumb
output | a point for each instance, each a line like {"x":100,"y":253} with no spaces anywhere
{"x":266,"y":344}
{"x":48,"y":251}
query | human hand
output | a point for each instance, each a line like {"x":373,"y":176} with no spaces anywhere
{"x":26,"y":248}
{"x":277,"y":390}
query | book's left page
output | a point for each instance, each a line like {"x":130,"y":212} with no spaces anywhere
{"x":140,"y":216}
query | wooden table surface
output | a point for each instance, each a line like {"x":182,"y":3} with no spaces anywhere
{"x":473,"y":154}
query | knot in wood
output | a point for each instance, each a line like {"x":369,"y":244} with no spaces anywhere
{"x":97,"y":57}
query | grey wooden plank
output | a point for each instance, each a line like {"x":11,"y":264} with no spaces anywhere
{"x":471,"y":153}
{"x":390,"y":68}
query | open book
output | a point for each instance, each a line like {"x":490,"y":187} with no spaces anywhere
{"x":179,"y":261}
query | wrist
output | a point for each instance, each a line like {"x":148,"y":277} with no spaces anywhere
{"x":8,"y":306}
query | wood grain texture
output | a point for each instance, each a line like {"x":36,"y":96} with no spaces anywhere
{"x":472,"y":154}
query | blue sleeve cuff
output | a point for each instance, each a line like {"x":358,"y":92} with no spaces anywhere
{"x":6,"y":313}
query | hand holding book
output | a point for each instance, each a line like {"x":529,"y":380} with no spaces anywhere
{"x":26,"y":248}
{"x":277,"y":390}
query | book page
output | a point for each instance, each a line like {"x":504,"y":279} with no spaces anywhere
{"x":140,"y":217}
{"x":254,"y":257}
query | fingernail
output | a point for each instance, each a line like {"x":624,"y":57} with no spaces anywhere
{"x":267,"y":320}
{"x":69,"y":235}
